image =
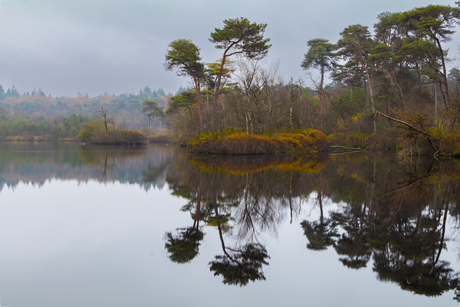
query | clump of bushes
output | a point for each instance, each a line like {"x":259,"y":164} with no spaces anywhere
{"x":356,"y":140}
{"x":130,"y":137}
{"x":306,"y":140}
{"x":161,"y":138}
{"x":96,"y":132}
{"x":240,"y":143}
{"x":450,"y":143}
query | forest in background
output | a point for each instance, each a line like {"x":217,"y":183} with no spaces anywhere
{"x":35,"y":114}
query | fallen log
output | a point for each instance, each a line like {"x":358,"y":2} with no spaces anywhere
{"x":428,"y":136}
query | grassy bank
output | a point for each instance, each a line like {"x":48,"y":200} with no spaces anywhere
{"x":231,"y":142}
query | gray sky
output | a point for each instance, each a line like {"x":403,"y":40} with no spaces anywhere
{"x":91,"y":46}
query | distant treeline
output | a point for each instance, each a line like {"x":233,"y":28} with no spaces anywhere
{"x":32,"y":108}
{"x":58,"y":127}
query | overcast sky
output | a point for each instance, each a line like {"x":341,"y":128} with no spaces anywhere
{"x":92,"y":46}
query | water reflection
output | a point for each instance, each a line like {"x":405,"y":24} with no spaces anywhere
{"x":320,"y":233}
{"x":240,"y":263}
{"x":37,"y":163}
{"x":388,"y":215}
{"x":183,"y":246}
{"x":392,"y":212}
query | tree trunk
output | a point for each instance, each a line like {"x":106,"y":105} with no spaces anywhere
{"x":366,"y":92}
{"x":444,"y":222}
{"x":219,"y":77}
{"x":371,"y":93}
{"x":420,"y":79}
{"x":290,"y":194}
{"x":190,"y":112}
{"x":393,"y":78}
{"x":207,"y":96}
{"x":217,"y":87}
{"x":436,"y":103}
{"x":320,"y":200}
{"x":444,"y":74}
{"x":321,"y":84}
{"x":198,"y":99}
{"x":300,"y":104}
{"x":371,"y":200}
{"x":290,"y":106}
{"x":198,"y":203}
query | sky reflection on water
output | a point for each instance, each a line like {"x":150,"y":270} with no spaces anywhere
{"x":91,"y":230}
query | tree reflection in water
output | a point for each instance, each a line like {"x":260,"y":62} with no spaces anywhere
{"x":244,"y":265}
{"x":391,"y":214}
{"x":320,"y":233}
{"x":183,"y":246}
{"x":238,"y":266}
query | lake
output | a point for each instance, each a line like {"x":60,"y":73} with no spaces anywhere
{"x":155,"y":226}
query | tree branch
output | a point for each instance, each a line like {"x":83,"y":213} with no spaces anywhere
{"x":428,"y":136}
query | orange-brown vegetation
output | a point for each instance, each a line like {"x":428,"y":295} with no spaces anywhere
{"x":237,"y":143}
{"x":239,"y":165}
{"x":304,"y":164}
{"x":240,"y":143}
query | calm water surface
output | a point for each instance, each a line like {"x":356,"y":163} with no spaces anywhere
{"x":154,"y":226}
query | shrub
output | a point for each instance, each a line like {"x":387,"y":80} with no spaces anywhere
{"x":94,"y":132}
{"x":161,"y":138}
{"x":450,"y":143}
{"x":319,"y":138}
{"x":355,"y":140}
{"x":302,"y":140}
{"x":132,"y":137}
{"x":235,"y":142}
{"x":287,"y":144}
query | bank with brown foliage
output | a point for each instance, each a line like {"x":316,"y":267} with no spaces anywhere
{"x":233,"y":142}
